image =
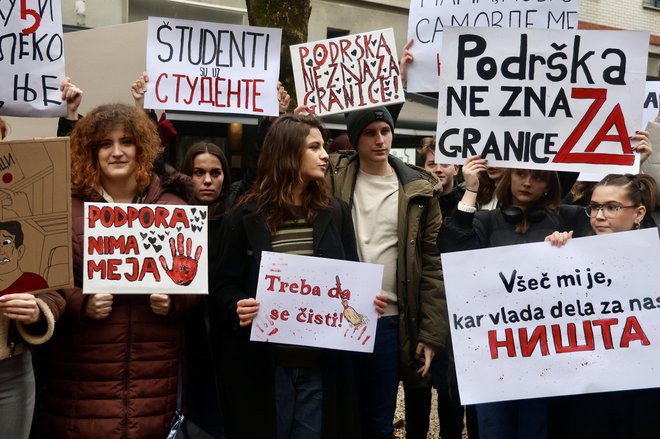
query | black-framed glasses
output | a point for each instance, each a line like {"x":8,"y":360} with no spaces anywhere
{"x":609,"y":210}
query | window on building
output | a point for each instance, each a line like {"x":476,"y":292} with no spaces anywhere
{"x":652,"y":4}
{"x":334,"y":33}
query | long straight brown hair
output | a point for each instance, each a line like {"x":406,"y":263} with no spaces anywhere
{"x":278,"y":172}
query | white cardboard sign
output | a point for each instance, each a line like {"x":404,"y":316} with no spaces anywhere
{"x":345,"y":73}
{"x":31,"y":58}
{"x":145,"y":248}
{"x":429,"y":18}
{"x":535,"y":320}
{"x":212,"y":67}
{"x":319,"y":302}
{"x":542,"y":99}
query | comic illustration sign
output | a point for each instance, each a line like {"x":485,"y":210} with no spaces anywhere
{"x":35,"y":216}
{"x":31,"y":58}
{"x":213,"y":67}
{"x":145,"y":248}
{"x":318,"y":302}
{"x":541,"y":99}
{"x":344,"y":73}
{"x":534,"y":320}
{"x":428,"y":18}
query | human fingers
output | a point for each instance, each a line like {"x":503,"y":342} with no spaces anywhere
{"x":380,"y":302}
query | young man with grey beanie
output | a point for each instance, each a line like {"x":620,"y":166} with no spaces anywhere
{"x":396,"y":222}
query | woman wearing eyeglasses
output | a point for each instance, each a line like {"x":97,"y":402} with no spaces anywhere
{"x":618,"y":203}
{"x":529,"y":210}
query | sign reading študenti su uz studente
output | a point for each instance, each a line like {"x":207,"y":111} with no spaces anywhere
{"x":428,"y":18}
{"x":342,"y":74}
{"x":145,"y":248}
{"x":317,"y":302}
{"x":541,"y":99}
{"x":534,"y":320}
{"x":212,"y":67}
{"x":31,"y":58}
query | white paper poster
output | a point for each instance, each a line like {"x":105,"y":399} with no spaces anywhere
{"x":535,"y":320}
{"x":345,"y":73}
{"x":31,"y":58}
{"x":145,"y":249}
{"x":429,"y":18}
{"x":542,"y":99}
{"x":212,"y":67}
{"x":319,"y":302}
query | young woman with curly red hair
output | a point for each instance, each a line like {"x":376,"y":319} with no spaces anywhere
{"x":114,"y":360}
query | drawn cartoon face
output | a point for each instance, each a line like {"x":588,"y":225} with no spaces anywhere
{"x":314,"y":160}
{"x":9,"y":254}
{"x":116,"y":156}
{"x":375,"y":142}
{"x":207,"y":177}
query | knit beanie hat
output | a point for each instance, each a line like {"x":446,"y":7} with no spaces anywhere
{"x":357,"y":121}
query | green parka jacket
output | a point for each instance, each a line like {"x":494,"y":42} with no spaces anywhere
{"x":421,"y":289}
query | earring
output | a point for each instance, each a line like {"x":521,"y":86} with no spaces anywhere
{"x":637,"y":226}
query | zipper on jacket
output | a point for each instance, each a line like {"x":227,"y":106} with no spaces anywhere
{"x":126,"y":371}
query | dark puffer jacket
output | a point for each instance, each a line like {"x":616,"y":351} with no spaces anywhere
{"x":115,"y":377}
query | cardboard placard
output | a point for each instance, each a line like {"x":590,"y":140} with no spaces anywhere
{"x":212,"y":67}
{"x":31,"y":58}
{"x":535,"y":320}
{"x":145,"y":249}
{"x":542,"y":99}
{"x":318,"y":302}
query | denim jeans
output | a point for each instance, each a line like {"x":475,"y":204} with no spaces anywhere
{"x":379,"y":373}
{"x":299,"y":398}
{"x":520,"y":419}
{"x":16,"y":396}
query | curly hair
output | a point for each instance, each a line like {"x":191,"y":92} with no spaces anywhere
{"x":205,"y":147}
{"x":278,"y":172}
{"x":92,"y":129}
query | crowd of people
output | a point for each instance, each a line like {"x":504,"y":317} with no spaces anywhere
{"x":113,"y":365}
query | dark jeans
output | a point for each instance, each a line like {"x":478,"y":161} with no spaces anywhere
{"x":299,"y":397}
{"x":520,"y":419}
{"x":379,"y":373}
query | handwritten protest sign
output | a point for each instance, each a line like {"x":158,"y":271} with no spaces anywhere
{"x":534,"y":320}
{"x":145,"y":248}
{"x":341,"y":74}
{"x":541,"y":99}
{"x":213,"y":67}
{"x":651,"y":102}
{"x":31,"y":58}
{"x":35,"y":215}
{"x":428,"y":18}
{"x":318,"y":302}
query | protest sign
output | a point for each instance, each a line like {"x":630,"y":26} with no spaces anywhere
{"x":35,"y":215}
{"x":428,"y":18}
{"x":541,"y":99}
{"x":535,"y":320}
{"x":319,"y":302}
{"x":31,"y":58}
{"x":341,"y":74}
{"x":213,"y":67}
{"x":651,"y":102}
{"x":145,"y":248}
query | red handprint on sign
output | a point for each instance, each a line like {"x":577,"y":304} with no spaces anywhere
{"x":184,"y":267}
